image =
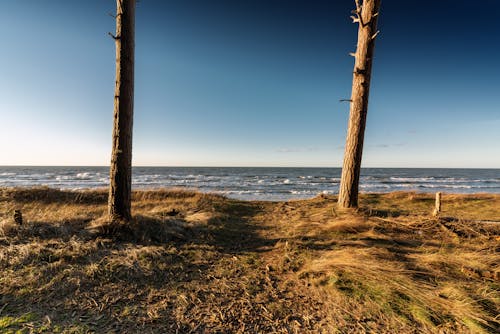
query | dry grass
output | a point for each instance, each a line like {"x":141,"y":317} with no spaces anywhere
{"x":198,"y":263}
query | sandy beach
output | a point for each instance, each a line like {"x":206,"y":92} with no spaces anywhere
{"x":201,"y":263}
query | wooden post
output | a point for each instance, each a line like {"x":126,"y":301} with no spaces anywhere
{"x":120,"y":173}
{"x":437,"y":207}
{"x":366,"y":15}
{"x":18,"y":217}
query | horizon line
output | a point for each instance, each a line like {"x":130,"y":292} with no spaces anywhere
{"x":202,"y":166}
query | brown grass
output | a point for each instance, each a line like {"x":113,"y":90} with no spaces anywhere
{"x":200,"y":263}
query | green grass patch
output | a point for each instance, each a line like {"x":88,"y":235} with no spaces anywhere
{"x":15,"y":324}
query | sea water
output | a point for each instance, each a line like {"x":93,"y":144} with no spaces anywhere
{"x":260,"y":183}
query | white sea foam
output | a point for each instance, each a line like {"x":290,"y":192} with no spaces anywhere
{"x":83,"y":176}
{"x":302,"y":192}
{"x":369,"y":186}
{"x":450,"y":186}
{"x":411,"y":179}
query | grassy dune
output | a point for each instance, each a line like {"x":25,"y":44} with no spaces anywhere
{"x":197,"y":263}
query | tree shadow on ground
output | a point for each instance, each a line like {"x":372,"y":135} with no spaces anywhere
{"x":230,"y":228}
{"x":234,"y":231}
{"x":92,"y":279}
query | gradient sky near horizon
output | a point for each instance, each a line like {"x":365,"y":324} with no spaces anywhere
{"x":251,"y":83}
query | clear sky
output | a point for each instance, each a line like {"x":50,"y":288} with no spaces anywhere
{"x":251,"y":83}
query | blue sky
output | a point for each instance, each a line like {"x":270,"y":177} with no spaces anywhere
{"x":251,"y":83}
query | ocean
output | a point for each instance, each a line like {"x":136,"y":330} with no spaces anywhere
{"x":260,"y":183}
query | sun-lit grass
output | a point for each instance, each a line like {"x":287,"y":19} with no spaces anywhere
{"x":192,"y":262}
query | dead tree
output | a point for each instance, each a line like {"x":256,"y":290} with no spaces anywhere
{"x":120,"y":174}
{"x":366,"y":16}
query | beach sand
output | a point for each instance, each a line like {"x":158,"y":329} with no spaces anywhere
{"x":201,"y":263}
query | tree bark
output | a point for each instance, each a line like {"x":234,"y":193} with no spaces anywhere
{"x":120,"y":174}
{"x":366,"y":16}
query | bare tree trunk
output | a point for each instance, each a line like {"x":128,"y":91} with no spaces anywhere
{"x":366,"y":16}
{"x":121,"y":156}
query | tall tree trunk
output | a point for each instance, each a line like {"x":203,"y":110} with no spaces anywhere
{"x":120,"y":174}
{"x":366,"y":16}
